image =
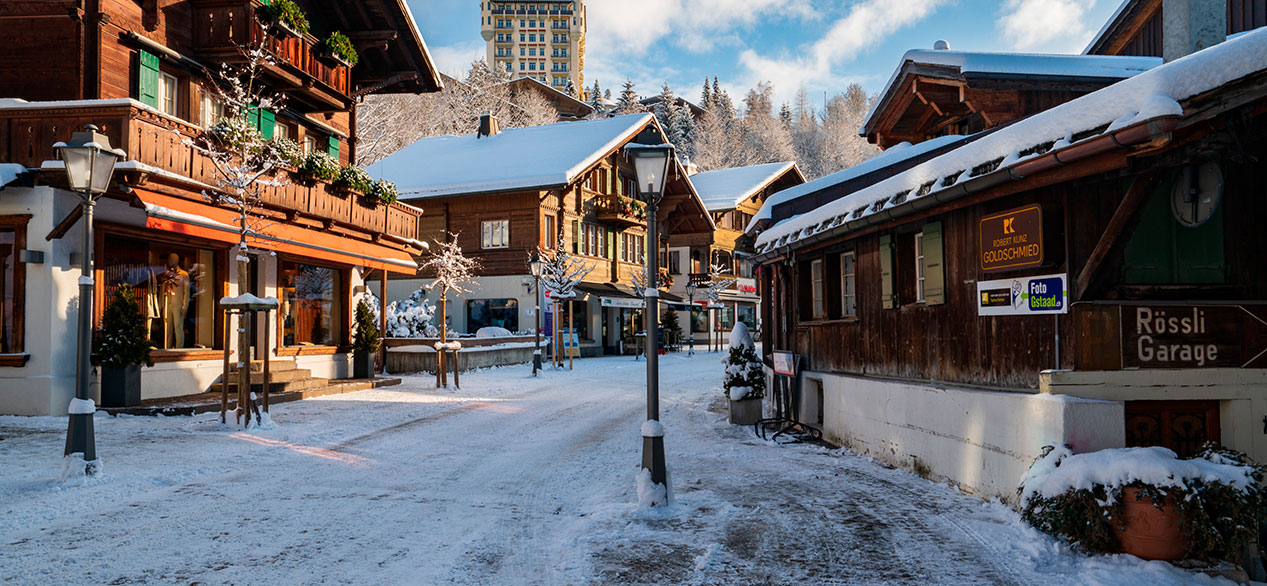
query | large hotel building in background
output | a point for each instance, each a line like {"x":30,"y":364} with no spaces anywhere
{"x":541,"y":40}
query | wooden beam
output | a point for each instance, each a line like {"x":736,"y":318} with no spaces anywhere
{"x":1119,"y":228}
{"x":373,"y":36}
{"x":66,"y":224}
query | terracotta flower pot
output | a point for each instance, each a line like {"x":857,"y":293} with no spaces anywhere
{"x":1151,"y":534}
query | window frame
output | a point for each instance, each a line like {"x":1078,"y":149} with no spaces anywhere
{"x":17,"y":355}
{"x":818,"y":297}
{"x":494,"y":237}
{"x":848,"y":285}
{"x":920,"y":277}
{"x":164,"y":78}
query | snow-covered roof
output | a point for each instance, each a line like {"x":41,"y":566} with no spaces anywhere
{"x":514,"y":159}
{"x":725,"y":189}
{"x":1025,"y":65}
{"x":1144,"y":97}
{"x":9,"y":172}
{"x":888,"y":157}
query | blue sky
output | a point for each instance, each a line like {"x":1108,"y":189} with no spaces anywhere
{"x":823,"y":44}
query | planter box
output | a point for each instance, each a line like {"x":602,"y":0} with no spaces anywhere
{"x":121,"y":387}
{"x":362,"y":364}
{"x":745,"y":411}
{"x":1151,"y":533}
{"x":336,"y":58}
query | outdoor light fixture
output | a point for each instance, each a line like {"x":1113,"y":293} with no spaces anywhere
{"x":651,"y":158}
{"x":536,"y":267}
{"x":89,"y":161}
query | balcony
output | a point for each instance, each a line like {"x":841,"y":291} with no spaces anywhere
{"x":221,"y":26}
{"x":156,"y":141}
{"x":620,"y":211}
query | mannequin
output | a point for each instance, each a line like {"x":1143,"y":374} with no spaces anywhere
{"x":174,"y":302}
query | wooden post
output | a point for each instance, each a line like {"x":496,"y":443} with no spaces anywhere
{"x":571,"y":332}
{"x":382,"y":322}
{"x":554,"y":336}
{"x":456,"y":382}
{"x":268,"y":349}
{"x":244,"y":370}
{"x":224,"y":378}
{"x":444,"y":340}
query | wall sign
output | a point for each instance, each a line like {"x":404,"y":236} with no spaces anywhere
{"x":1012,"y":240}
{"x":1192,"y":336}
{"x":622,"y":302}
{"x":784,"y":363}
{"x":1023,"y":296}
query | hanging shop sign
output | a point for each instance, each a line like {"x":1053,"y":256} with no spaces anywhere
{"x":1023,"y":296}
{"x":1193,"y":336}
{"x":622,"y":302}
{"x":1012,"y":240}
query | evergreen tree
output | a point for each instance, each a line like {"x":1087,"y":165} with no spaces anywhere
{"x":365,"y":339}
{"x":628,"y":101}
{"x":785,"y":116}
{"x":596,"y":100}
{"x":706,"y":97}
{"x":743,"y":377}
{"x":607,"y":95}
{"x":673,"y":329}
{"x":123,"y":340}
{"x":716,"y":92}
{"x":669,"y":115}
{"x":571,"y":89}
{"x":686,"y":133}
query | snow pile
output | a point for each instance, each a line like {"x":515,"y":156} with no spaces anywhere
{"x":740,"y":336}
{"x":492,"y":332}
{"x":652,"y":428}
{"x":81,"y":407}
{"x":1146,"y":95}
{"x":1061,"y":471}
{"x":725,"y":189}
{"x":652,"y":495}
{"x":246,"y":300}
{"x":411,"y":317}
{"x":75,"y":470}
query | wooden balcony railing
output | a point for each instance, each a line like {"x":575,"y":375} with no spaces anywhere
{"x":221,"y":27}
{"x":620,"y":210}
{"x":158,"y":141}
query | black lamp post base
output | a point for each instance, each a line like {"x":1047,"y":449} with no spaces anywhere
{"x":79,"y":440}
{"x":653,"y":458}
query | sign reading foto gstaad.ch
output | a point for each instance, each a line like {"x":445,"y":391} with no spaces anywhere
{"x":1193,"y":336}
{"x":1023,"y":296}
{"x":1012,"y":240}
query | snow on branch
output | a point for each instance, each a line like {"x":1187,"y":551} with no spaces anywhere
{"x":561,"y":271}
{"x":718,"y":282}
{"x":453,"y":270}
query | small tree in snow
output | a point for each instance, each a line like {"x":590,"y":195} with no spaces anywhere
{"x":454,"y":273}
{"x":628,"y":102}
{"x":560,"y":274}
{"x":743,"y":377}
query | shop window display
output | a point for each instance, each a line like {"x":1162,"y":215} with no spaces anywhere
{"x":174,"y":285}
{"x":501,"y":313}
{"x":310,"y":308}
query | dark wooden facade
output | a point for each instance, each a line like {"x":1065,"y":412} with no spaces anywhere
{"x":1137,"y":29}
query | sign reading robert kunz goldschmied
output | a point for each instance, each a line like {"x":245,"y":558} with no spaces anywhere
{"x":1012,"y":240}
{"x":1193,"y":336}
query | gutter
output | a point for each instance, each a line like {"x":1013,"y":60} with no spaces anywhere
{"x":1141,"y":132}
{"x":164,"y":51}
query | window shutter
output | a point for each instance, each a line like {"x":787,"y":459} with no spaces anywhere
{"x":887,"y":290}
{"x":147,"y":78}
{"x":268,"y":121}
{"x":611,"y":243}
{"x":576,"y":236}
{"x":934,"y":269}
{"x":332,"y":147}
{"x":620,"y":184}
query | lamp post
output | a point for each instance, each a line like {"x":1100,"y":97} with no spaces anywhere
{"x":535,"y":266}
{"x":690,"y":317}
{"x":89,"y":162}
{"x":652,"y":157}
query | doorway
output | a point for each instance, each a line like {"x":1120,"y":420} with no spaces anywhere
{"x":1182,"y":426}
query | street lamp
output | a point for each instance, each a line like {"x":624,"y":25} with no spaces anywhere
{"x":536,"y":267}
{"x":690,"y":312}
{"x":89,"y":161}
{"x":651,"y":158}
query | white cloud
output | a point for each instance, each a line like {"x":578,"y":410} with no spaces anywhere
{"x":694,"y":25}
{"x":455,"y":60}
{"x":1055,"y":26}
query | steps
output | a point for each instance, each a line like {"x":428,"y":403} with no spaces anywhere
{"x":284,"y":377}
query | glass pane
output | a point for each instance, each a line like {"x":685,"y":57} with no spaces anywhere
{"x":310,"y":308}
{"x":8,"y":256}
{"x":174,"y":286}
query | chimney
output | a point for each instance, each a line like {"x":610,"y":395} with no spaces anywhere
{"x":1191,"y":25}
{"x":488,"y":125}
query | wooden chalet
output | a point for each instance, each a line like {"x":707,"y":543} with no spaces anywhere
{"x":1087,"y":275}
{"x":1136,"y":27}
{"x":139,"y":71}
{"x":732,"y":197}
{"x":504,"y":193}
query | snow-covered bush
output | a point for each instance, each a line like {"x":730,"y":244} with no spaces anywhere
{"x":289,"y":151}
{"x":743,"y":377}
{"x":411,"y":317}
{"x":320,"y":166}
{"x":384,"y":191}
{"x":353,"y":177}
{"x":492,"y":332}
{"x":1080,"y":496}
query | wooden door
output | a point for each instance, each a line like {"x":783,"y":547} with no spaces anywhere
{"x":1182,"y":426}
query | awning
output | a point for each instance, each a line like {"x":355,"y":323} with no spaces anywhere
{"x":181,"y":216}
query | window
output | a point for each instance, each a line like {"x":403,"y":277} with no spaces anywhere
{"x":174,"y":285}
{"x":919,"y":267}
{"x":532,"y":66}
{"x":311,"y":301}
{"x":492,"y":313}
{"x":816,"y":278}
{"x":280,"y":131}
{"x":848,"y":286}
{"x":521,"y":37}
{"x":675,"y":262}
{"x":550,"y":233}
{"x":522,"y":51}
{"x":578,"y":321}
{"x":210,"y":110}
{"x":591,"y":238}
{"x":495,"y":234}
{"x":747,"y":313}
{"x":726,"y":317}
{"x":521,"y":65}
{"x":167,"y":94}
{"x":311,"y":144}
{"x":12,"y":283}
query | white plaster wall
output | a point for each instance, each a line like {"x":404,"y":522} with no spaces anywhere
{"x":984,"y":441}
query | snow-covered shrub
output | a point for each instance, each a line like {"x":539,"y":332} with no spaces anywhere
{"x":353,"y":177}
{"x":320,"y":166}
{"x":743,"y":377}
{"x":411,"y":317}
{"x":1080,"y":496}
{"x":123,"y":340}
{"x":289,"y":151}
{"x":384,"y":191}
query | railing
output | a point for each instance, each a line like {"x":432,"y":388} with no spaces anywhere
{"x":157,"y":141}
{"x":618,"y":209}
{"x":222,"y":26}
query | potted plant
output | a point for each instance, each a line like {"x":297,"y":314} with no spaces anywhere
{"x":383,"y":191}
{"x":744,"y":379}
{"x":286,"y":17}
{"x":353,"y":179}
{"x":122,"y":344}
{"x":289,"y":151}
{"x":1146,"y":501}
{"x":364,"y":342}
{"x":338,"y":47}
{"x":317,"y":166}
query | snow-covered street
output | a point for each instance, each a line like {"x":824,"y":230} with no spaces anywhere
{"x":510,"y":480}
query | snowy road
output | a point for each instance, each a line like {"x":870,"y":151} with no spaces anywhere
{"x":511,"y":480}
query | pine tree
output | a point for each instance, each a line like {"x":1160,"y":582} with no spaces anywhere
{"x":365,"y":339}
{"x":686,"y":133}
{"x":706,"y":97}
{"x":672,"y":327}
{"x":571,"y":88}
{"x":785,"y":116}
{"x":123,"y":340}
{"x":743,"y":377}
{"x":628,"y":101}
{"x":607,"y":95}
{"x":716,"y":92}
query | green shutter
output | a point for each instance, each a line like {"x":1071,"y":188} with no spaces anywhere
{"x":888,"y":295}
{"x":147,"y":78}
{"x":611,"y":243}
{"x":1163,"y":252}
{"x":620,"y":245}
{"x":332,"y":147}
{"x":620,"y":185}
{"x":268,"y":121}
{"x":934,"y":270}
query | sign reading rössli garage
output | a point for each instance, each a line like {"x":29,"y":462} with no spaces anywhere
{"x":1193,"y":336}
{"x":1023,"y":296}
{"x":1012,"y":240}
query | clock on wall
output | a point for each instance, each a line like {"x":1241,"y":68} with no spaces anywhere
{"x":1196,"y":193}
